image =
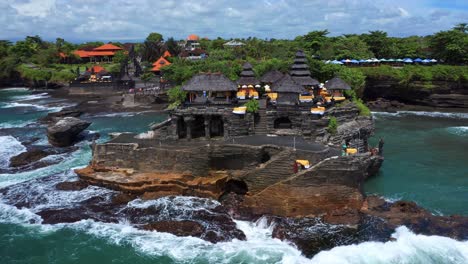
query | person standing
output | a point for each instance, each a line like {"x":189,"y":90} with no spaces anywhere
{"x":381,"y":143}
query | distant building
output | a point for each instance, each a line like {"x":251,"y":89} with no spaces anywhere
{"x":104,"y":53}
{"x":233,"y":44}
{"x":192,"y":42}
{"x":194,"y":54}
{"x":157,"y":65}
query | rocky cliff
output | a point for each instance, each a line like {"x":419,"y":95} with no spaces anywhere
{"x":443,"y":94}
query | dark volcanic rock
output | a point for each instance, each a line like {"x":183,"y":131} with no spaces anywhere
{"x":416,"y":218}
{"x":28,"y":157}
{"x":71,"y":186}
{"x":64,"y":133}
{"x":51,"y":117}
{"x":178,"y":228}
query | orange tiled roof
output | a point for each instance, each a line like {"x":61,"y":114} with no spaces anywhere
{"x":62,"y":55}
{"x":193,"y":37}
{"x":167,"y":54}
{"x":87,"y":54}
{"x":161,"y":62}
{"x":96,"y":68}
{"x":108,"y":47}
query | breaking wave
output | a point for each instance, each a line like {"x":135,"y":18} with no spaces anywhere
{"x":10,"y":147}
{"x":459,"y":130}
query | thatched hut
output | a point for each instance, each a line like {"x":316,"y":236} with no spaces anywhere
{"x":271,"y":77}
{"x":287,"y":91}
{"x":335,"y":88}
{"x":211,"y":86}
{"x":300,"y":71}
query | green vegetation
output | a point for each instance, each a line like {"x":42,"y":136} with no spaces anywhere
{"x":252,"y":106}
{"x":363,"y":109}
{"x":332,"y":125}
{"x":176,"y":96}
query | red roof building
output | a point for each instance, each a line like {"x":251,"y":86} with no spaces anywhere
{"x":106,"y":50}
{"x":167,"y":54}
{"x":161,"y":62}
{"x":193,"y":37}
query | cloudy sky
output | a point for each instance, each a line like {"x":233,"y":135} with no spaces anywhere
{"x":129,"y":20}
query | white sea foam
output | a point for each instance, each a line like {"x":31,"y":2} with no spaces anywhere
{"x":408,"y":248}
{"x":459,"y":130}
{"x":9,"y":147}
{"x":422,"y":113}
{"x":77,"y":158}
{"x":30,"y":97}
{"x":16,"y":124}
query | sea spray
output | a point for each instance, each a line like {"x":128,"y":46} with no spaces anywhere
{"x":10,"y":147}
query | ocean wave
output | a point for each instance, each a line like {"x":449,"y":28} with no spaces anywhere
{"x":35,"y":106}
{"x":77,"y":158}
{"x":10,"y":147}
{"x":15,"y":89}
{"x":31,"y":97}
{"x":407,"y":248}
{"x":422,"y":113}
{"x":16,"y":124}
{"x":459,"y":130}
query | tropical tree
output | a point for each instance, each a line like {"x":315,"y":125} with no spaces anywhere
{"x":450,"y":46}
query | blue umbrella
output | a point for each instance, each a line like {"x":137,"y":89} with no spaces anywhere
{"x":408,"y":60}
{"x":336,"y":62}
{"x":355,"y":61}
{"x":362,"y":61}
{"x":418,"y":60}
{"x":426,"y":61}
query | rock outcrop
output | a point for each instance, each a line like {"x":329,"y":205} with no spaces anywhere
{"x":65,"y":132}
{"x":441,"y":94}
{"x":27,"y":157}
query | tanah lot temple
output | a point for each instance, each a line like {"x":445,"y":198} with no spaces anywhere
{"x":292,"y":104}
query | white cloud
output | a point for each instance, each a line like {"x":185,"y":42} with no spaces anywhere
{"x":35,"y":8}
{"x":125,"y":19}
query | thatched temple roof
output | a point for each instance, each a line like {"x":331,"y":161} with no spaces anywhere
{"x":216,"y":82}
{"x":272,"y":76}
{"x":247,"y":76}
{"x":300,"y":71}
{"x":287,"y":85}
{"x":337,"y":84}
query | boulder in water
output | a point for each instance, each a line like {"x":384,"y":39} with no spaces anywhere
{"x":64,"y":133}
{"x":27,"y":157}
{"x":178,"y":228}
{"x":71,"y":186}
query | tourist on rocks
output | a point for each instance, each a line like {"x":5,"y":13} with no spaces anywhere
{"x":344,"y":147}
{"x":381,"y":143}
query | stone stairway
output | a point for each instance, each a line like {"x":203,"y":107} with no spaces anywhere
{"x":261,"y":119}
{"x":261,"y":124}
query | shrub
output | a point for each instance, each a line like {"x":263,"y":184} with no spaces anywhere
{"x":176,"y":96}
{"x":252,"y":106}
{"x":332,"y":125}
{"x":363,"y":109}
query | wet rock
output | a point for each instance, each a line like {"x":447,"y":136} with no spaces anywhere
{"x":178,"y":228}
{"x":122,"y":198}
{"x":51,"y":117}
{"x":416,"y":218}
{"x":27,"y":157}
{"x":56,"y":216}
{"x":71,"y":186}
{"x":64,"y":133}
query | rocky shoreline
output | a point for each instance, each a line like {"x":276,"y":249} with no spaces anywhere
{"x":316,"y":209}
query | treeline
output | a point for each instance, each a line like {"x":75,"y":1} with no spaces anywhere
{"x":32,"y":56}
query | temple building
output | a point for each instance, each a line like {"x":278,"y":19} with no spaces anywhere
{"x":247,"y":83}
{"x":287,"y":90}
{"x":157,"y":65}
{"x":103,"y":53}
{"x":300,"y":72}
{"x":333,"y":89}
{"x":214,"y":88}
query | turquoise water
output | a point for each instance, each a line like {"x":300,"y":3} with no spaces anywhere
{"x":24,"y":239}
{"x":426,"y":160}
